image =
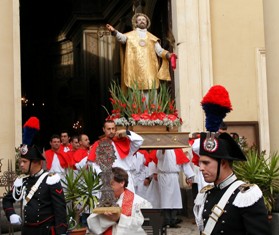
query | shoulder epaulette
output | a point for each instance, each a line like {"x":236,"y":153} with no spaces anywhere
{"x":22,"y":176}
{"x":248,"y":195}
{"x":244,"y":187}
{"x":19,"y":180}
{"x":206,"y":188}
{"x":201,"y":196}
{"x":52,"y":178}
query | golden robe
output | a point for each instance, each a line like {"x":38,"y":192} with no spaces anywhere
{"x":140,"y":66}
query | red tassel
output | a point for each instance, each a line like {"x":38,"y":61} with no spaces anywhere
{"x":32,"y":122}
{"x":217,"y":95}
{"x":173,"y":58}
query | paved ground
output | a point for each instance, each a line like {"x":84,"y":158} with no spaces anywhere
{"x":187,"y":228}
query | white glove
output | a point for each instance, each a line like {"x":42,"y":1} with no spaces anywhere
{"x":15,"y":219}
{"x":81,"y":164}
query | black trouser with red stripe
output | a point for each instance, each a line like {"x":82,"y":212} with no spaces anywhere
{"x":42,"y":229}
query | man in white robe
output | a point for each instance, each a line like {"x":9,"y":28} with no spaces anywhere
{"x":170,"y":163}
{"x":125,"y":144}
{"x":130,"y":220}
{"x":140,"y":172}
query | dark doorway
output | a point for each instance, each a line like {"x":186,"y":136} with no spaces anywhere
{"x":67,"y":97}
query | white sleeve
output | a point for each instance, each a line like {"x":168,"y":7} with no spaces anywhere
{"x":95,"y":167}
{"x":158,"y":49}
{"x":120,"y":37}
{"x":98,"y":224}
{"x":152,"y":168}
{"x":188,"y":171}
{"x":132,"y":224}
{"x":82,"y":163}
{"x":136,"y":142}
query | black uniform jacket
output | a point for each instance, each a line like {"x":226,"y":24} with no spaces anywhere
{"x":252,"y":220}
{"x":47,"y":206}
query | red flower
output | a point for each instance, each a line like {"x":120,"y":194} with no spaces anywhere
{"x":171,"y":107}
{"x":123,"y":105}
{"x":153,"y":106}
{"x":143,"y":99}
{"x":115,"y":111}
{"x":134,"y":106}
{"x":161,"y":115}
{"x":112,"y":101}
{"x":136,"y":117}
{"x":108,"y":118}
{"x":154,"y":116}
{"x":145,"y":115}
{"x":172,"y":117}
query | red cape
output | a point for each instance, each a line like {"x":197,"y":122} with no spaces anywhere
{"x":181,"y":157}
{"x":122,"y":147}
{"x":62,"y":157}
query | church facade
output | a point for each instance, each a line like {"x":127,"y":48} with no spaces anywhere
{"x":230,"y":43}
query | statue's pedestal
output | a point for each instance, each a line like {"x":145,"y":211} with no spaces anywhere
{"x":161,"y":137}
{"x":164,"y":140}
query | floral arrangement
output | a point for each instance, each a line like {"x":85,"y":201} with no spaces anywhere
{"x":133,"y":107}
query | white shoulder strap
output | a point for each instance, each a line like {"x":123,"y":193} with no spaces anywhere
{"x":217,"y":210}
{"x":34,"y":188}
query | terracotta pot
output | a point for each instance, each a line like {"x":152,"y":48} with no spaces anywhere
{"x":78,"y":231}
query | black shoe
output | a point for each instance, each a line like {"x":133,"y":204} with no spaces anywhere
{"x":175,"y":226}
{"x":178,"y":221}
{"x":166,"y":225}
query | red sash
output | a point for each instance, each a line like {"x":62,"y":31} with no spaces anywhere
{"x":122,"y":147}
{"x":146,"y":156}
{"x":181,"y":157}
{"x":126,"y":208}
{"x":61,"y":157}
{"x":80,"y":154}
{"x":195,"y":158}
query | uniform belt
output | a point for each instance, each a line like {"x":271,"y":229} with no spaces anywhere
{"x":47,"y":221}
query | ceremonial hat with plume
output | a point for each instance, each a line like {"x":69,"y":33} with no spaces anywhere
{"x":30,"y":129}
{"x":216,"y":104}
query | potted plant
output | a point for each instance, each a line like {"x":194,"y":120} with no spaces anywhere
{"x":81,"y":193}
{"x":263,"y":171}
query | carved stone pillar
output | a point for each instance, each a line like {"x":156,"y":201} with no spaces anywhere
{"x":193,"y":76}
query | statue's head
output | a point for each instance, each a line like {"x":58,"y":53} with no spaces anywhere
{"x":141,"y":20}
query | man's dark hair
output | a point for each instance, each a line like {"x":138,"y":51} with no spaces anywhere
{"x":120,"y":175}
{"x":74,"y":137}
{"x":108,"y":121}
{"x":55,"y":136}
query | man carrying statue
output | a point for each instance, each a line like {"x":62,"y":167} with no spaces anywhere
{"x":139,"y":56}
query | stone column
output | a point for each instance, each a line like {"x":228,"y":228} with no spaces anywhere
{"x":193,"y":76}
{"x":271,"y":19}
{"x":10,"y":89}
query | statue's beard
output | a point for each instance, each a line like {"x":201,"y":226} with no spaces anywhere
{"x":141,"y":26}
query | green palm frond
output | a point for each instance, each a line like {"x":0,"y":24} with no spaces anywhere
{"x":261,"y":170}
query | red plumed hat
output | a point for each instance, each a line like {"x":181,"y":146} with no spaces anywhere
{"x":216,"y":104}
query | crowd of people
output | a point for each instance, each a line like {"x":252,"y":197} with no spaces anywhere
{"x":152,"y":176}
{"x":158,"y":183}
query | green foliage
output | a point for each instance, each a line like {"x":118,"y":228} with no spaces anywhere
{"x":132,"y":107}
{"x":81,"y":189}
{"x":261,"y":170}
